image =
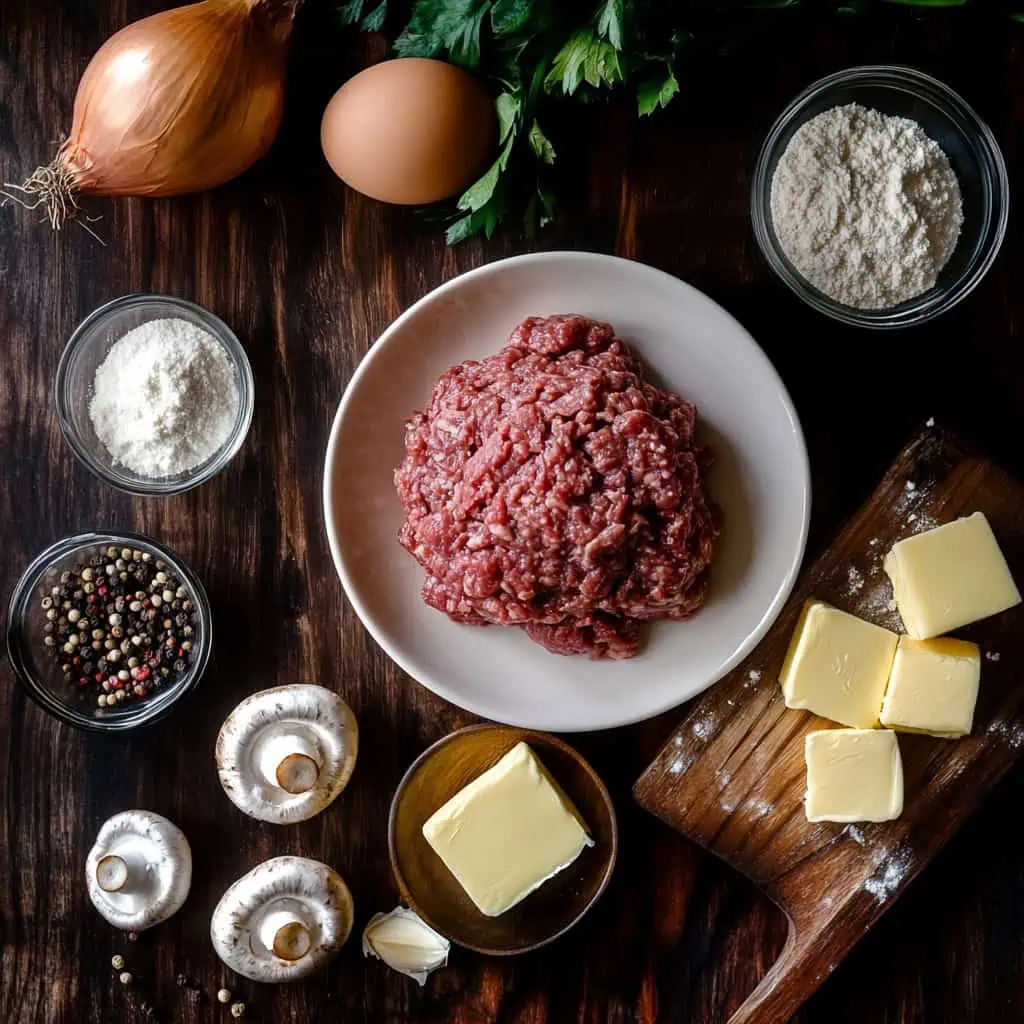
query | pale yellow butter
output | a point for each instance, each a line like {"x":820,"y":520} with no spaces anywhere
{"x":949,"y":577}
{"x":507,"y":832}
{"x":837,"y":666}
{"x":853,"y":775}
{"x":933,"y":687}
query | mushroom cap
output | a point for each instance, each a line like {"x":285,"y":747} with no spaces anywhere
{"x":323,"y":731}
{"x":301,"y":895}
{"x":139,"y":870}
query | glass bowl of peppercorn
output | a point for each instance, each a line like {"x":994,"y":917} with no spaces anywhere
{"x":107,"y":632}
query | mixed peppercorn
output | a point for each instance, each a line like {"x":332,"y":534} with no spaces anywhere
{"x":120,"y":625}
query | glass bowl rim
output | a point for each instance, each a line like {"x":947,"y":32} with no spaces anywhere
{"x":18,"y":605}
{"x":158,"y":487}
{"x":991,"y":166}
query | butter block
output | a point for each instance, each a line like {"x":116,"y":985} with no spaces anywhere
{"x":853,"y":775}
{"x":950,"y":576}
{"x":507,"y":832}
{"x":933,"y":687}
{"x":837,"y":666}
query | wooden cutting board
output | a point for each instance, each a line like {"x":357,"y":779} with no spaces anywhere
{"x":732,"y":775}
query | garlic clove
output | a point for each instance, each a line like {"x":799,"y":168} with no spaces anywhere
{"x":406,"y":943}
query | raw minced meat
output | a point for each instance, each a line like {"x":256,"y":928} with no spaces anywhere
{"x":552,"y":487}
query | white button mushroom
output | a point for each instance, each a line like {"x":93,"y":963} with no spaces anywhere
{"x":284,"y":754}
{"x":282,"y":920}
{"x":139,"y":870}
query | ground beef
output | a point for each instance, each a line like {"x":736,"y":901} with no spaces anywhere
{"x":552,"y":487}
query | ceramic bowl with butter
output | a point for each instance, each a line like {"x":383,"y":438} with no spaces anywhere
{"x":501,"y":839}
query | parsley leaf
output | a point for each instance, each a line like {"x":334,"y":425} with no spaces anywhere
{"x":351,"y":13}
{"x":540,"y":144}
{"x":445,"y":27}
{"x":510,"y":16}
{"x":584,"y":58}
{"x":656,"y":92}
{"x":609,"y":22}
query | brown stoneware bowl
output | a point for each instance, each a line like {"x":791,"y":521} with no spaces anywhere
{"x":432,"y":891}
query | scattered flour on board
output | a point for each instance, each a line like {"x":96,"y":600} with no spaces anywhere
{"x":724,"y":778}
{"x":1011,"y":732}
{"x":854,"y":580}
{"x":992,"y":655}
{"x":704,"y":727}
{"x":826,"y":902}
{"x":923,"y":522}
{"x":873,"y":541}
{"x":826,"y":971}
{"x":890,"y":871}
{"x":876,"y":604}
{"x":728,"y":806}
{"x":913,"y":495}
{"x":678,"y":741}
{"x":679,"y":765}
{"x":856,"y":834}
{"x":753,"y":678}
{"x":761,"y":808}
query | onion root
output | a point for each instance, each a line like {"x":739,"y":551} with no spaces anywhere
{"x":53,"y":188}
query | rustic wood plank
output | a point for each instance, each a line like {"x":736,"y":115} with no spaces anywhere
{"x":308,"y":275}
{"x":732,"y":777}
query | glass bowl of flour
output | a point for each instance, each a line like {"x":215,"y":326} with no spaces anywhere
{"x":154,"y":394}
{"x":880,"y":197}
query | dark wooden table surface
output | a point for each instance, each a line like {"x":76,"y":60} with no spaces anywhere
{"x":308,"y":274}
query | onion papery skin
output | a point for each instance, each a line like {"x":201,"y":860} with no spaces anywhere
{"x":181,"y":101}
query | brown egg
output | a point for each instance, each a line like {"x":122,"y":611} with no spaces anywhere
{"x":409,"y":131}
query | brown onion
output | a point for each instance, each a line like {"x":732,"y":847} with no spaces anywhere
{"x":178,"y":102}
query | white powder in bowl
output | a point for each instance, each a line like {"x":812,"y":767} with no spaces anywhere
{"x":866,"y":206}
{"x":164,"y":398}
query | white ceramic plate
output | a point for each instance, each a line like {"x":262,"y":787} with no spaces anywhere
{"x":760,"y":479}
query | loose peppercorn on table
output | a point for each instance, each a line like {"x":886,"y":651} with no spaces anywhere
{"x":307,"y":273}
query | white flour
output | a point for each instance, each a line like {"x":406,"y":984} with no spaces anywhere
{"x":164,"y":398}
{"x":866,"y":206}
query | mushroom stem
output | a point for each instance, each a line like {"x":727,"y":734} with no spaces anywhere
{"x":285,"y":934}
{"x":290,"y":762}
{"x":113,"y":873}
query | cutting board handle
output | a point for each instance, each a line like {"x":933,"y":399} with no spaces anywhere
{"x":803,"y":964}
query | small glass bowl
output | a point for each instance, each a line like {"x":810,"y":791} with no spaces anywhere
{"x":88,"y":347}
{"x":39,"y":671}
{"x":973,"y":153}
